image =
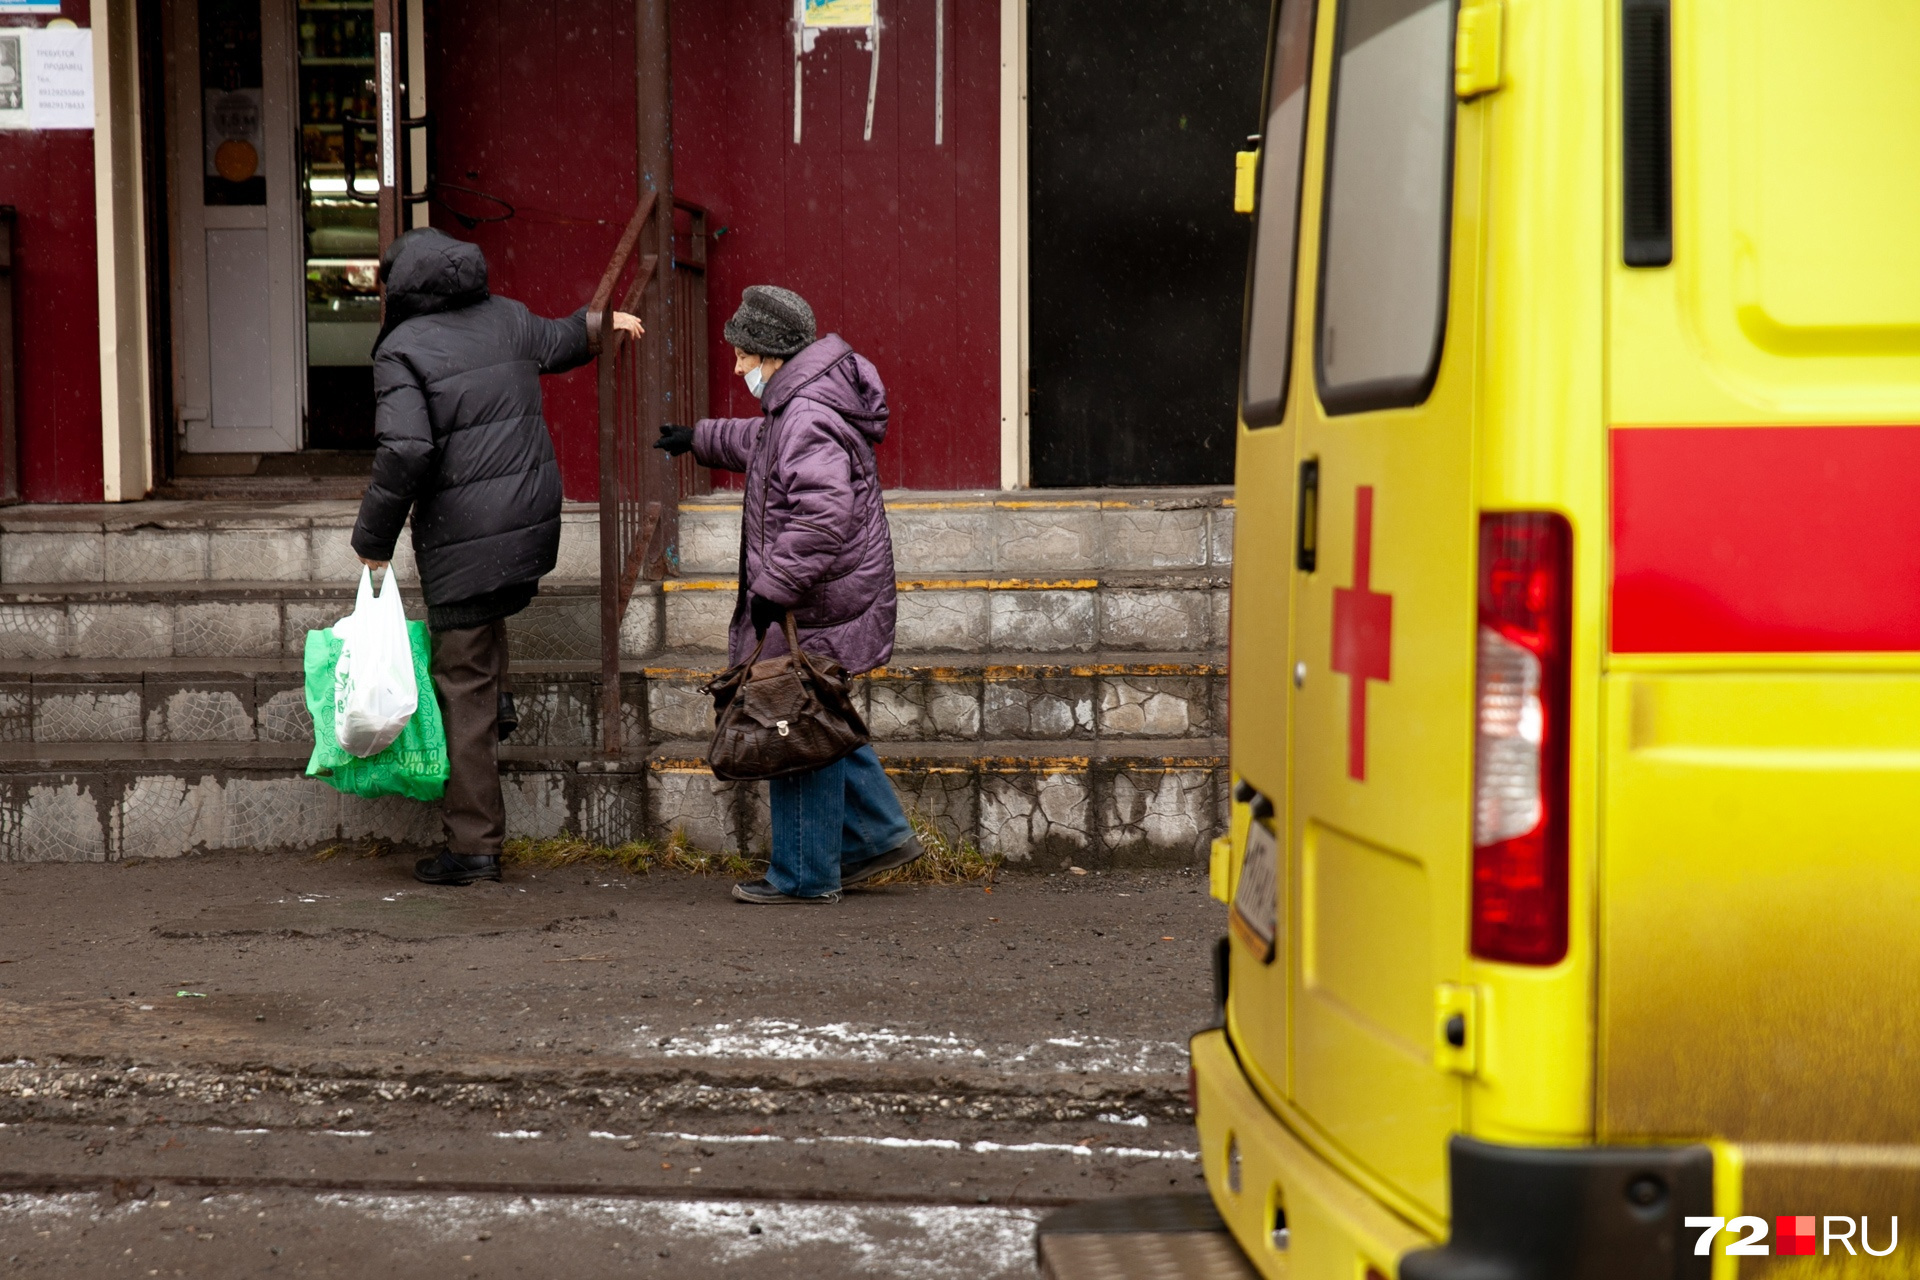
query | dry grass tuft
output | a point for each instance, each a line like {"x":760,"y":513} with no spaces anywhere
{"x":946,"y":862}
{"x":361,"y":850}
{"x":636,"y":856}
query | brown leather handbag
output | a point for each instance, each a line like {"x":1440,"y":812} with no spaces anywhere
{"x":787,"y":715}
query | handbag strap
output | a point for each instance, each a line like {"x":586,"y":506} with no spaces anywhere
{"x":793,"y":644}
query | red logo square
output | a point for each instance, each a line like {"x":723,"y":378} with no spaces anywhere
{"x":1796,"y":1235}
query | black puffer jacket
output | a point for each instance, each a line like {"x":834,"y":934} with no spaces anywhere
{"x":461,"y":439}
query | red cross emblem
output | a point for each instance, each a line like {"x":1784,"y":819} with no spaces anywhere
{"x":1362,"y":633}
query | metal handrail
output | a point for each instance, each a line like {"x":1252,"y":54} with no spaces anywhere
{"x":639,"y":387}
{"x":9,"y":370}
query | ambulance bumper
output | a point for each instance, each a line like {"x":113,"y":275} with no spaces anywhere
{"x":1519,"y":1213}
{"x":1568,"y":1213}
{"x":1335,"y":1229}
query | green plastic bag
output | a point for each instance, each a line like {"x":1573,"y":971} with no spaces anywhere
{"x":414,"y":765}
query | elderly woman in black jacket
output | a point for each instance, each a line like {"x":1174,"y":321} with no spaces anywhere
{"x":463,"y":446}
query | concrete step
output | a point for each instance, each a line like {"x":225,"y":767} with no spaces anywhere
{"x":1062,"y":532}
{"x":1103,"y":804}
{"x":1056,"y":533}
{"x":939,"y":697}
{"x":1167,"y":611}
{"x":1057,"y":690}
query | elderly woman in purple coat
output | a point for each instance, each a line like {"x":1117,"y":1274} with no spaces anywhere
{"x":813,"y":543}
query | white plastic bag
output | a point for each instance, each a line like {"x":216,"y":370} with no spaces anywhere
{"x":374,"y":694}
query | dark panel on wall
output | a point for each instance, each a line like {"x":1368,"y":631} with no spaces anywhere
{"x":48,"y":176}
{"x":894,"y":241}
{"x":534,"y":103}
{"x":1137,"y":261}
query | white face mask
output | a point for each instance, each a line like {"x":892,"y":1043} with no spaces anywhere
{"x":756,"y":382}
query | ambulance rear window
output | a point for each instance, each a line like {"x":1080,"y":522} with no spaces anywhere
{"x":1383,"y":282}
{"x":1269,"y":340}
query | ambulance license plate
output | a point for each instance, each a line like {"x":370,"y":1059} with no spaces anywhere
{"x":1256,"y":900}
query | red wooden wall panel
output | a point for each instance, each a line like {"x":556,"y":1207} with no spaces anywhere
{"x":48,"y":177}
{"x":895,"y":242}
{"x":535,"y":103}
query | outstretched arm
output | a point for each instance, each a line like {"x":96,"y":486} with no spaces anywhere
{"x":726,"y":443}
{"x":560,"y":345}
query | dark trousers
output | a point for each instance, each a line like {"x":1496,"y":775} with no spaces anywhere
{"x":470,"y":672}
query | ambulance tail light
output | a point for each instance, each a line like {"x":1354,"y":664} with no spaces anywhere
{"x":1521,"y":695}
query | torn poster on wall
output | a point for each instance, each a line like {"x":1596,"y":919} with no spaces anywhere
{"x":814,"y":16}
{"x":838,"y":13}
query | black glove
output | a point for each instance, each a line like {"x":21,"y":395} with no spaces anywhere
{"x":674,"y":441}
{"x":765,"y":613}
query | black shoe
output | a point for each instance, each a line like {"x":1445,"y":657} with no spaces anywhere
{"x":904,"y":854}
{"x":505,"y":718}
{"x":457,"y":868}
{"x":763,"y":892}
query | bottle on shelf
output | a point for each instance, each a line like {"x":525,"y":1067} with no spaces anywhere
{"x":309,"y":38}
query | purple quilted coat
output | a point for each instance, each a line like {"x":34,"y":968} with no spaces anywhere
{"x":814,"y":532}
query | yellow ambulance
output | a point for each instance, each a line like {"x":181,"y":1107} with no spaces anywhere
{"x":1574,"y":871}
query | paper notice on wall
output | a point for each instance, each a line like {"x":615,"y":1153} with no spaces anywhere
{"x":838,"y":13}
{"x":60,"y":78}
{"x":46,"y":77}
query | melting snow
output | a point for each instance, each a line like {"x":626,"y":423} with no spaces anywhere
{"x":785,"y":1040}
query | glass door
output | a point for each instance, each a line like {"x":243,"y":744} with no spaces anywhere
{"x":340,"y":195}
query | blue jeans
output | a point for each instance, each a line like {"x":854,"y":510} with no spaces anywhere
{"x":838,"y":815}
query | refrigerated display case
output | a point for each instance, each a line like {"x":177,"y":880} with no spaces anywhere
{"x":339,"y":193}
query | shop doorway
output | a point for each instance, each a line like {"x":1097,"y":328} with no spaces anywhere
{"x":1137,"y":260}
{"x":284,"y":184}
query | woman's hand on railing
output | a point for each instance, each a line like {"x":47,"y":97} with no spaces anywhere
{"x":628,"y":323}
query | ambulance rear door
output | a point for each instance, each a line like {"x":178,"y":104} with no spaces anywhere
{"x":1384,"y":620}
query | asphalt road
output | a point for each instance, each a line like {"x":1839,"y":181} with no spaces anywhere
{"x":578,"y":1073}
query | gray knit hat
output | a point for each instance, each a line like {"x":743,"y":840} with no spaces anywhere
{"x":771,"y":321}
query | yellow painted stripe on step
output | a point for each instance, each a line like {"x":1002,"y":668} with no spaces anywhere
{"x":997,"y":584}
{"x":1054,"y":504}
{"x":997,"y":764}
{"x":1146,"y":669}
{"x":1002,"y":672}
{"x":914,"y":584}
{"x":989,"y":504}
{"x":1033,"y":764}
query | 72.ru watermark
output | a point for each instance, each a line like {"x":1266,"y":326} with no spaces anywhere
{"x":1797,"y":1235}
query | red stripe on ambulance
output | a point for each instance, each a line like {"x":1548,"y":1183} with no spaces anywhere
{"x":1766,"y":539}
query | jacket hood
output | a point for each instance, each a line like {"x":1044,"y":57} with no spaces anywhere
{"x":832,"y":373}
{"x":427,"y":271}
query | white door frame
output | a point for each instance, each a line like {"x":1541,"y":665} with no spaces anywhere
{"x":279,"y":218}
{"x":1014,"y":391}
{"x":120,"y":250}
